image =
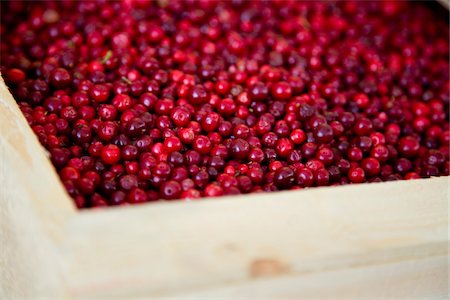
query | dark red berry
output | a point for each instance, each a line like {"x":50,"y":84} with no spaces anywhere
{"x":239,"y":149}
{"x":60,"y":78}
{"x":170,"y":190}
{"x":284,"y":178}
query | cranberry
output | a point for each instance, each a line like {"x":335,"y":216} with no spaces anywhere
{"x":408,"y":146}
{"x":85,"y":186}
{"x":107,"y":131}
{"x":117,"y":198}
{"x":281,"y":91}
{"x":322,"y":177}
{"x":258,"y":92}
{"x":69,"y":173}
{"x":181,"y":116}
{"x":433,"y":158}
{"x":323,"y":133}
{"x":245,"y":184}
{"x":298,"y":136}
{"x":15,"y":75}
{"x":110,"y":154}
{"x":239,"y":149}
{"x":190,"y":194}
{"x":107,"y":112}
{"x":59,"y":157}
{"x":371,"y":166}
{"x":137,"y":195}
{"x":210,"y":122}
{"x":201,"y":179}
{"x":380,"y":152}
{"x":305,"y":111}
{"x":361,"y":100}
{"x":325,"y":155}
{"x":198,"y":95}
{"x":99,"y":93}
{"x":186,"y":135}
{"x":363,"y":126}
{"x":162,"y":169}
{"x":172,"y":144}
{"x":355,"y":154}
{"x":128,"y":182}
{"x":202,"y":144}
{"x":403,"y":166}
{"x":356,"y":175}
{"x":309,"y":149}
{"x":284,"y":178}
{"x":60,"y":78}
{"x":227,"y":107}
{"x":284,"y":147}
{"x":213,"y":190}
{"x":304,"y":177}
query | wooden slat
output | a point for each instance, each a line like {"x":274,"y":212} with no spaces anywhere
{"x":411,"y":279}
{"x":33,"y":209}
{"x":27,"y":174}
{"x":175,"y":247}
{"x":445,"y":3}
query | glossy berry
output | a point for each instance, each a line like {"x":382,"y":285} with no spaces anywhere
{"x":110,"y":154}
{"x":15,"y":76}
{"x":408,"y":146}
{"x":281,"y":91}
{"x":284,"y":178}
{"x":172,"y":144}
{"x":304,"y":177}
{"x":239,"y":149}
{"x":202,"y":144}
{"x":356,"y":175}
{"x":137,"y":195}
{"x":60,"y":78}
{"x":170,"y":190}
{"x":323,"y":133}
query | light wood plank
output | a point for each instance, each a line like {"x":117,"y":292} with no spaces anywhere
{"x":173,"y":247}
{"x":417,"y":279}
{"x":33,"y":210}
{"x":26,"y":170}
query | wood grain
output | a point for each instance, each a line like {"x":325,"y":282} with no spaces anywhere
{"x":411,"y":279}
{"x":170,"y":248}
{"x":33,"y":209}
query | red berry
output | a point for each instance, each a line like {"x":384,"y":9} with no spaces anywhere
{"x":110,"y":154}
{"x":356,"y":175}
{"x":281,"y":91}
{"x":408,"y":146}
{"x":15,"y":76}
{"x":172,"y":144}
{"x":239,"y":149}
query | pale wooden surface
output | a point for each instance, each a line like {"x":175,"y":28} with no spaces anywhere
{"x":33,"y":208}
{"x":445,"y":3}
{"x":410,"y":279}
{"x":209,"y":244}
{"x":340,"y":242}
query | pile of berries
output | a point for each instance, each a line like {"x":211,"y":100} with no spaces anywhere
{"x":138,"y":101}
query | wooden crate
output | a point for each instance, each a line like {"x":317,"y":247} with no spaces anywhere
{"x":367,"y":240}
